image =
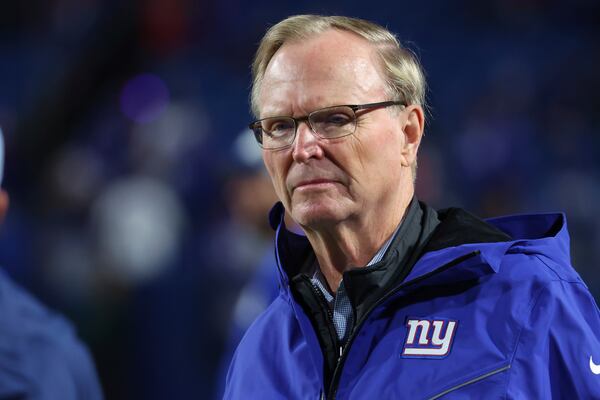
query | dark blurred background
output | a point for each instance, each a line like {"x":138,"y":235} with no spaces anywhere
{"x":138,"y":200}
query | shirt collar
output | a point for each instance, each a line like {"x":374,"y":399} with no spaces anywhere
{"x":318,"y":275}
{"x":381,"y":252}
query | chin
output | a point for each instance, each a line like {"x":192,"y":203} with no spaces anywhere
{"x":315,"y":214}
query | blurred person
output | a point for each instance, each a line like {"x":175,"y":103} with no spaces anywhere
{"x":40,"y":354}
{"x":248,"y":196}
{"x":386,"y":297}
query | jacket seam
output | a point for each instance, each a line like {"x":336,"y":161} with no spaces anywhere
{"x":472,"y":381}
{"x":558,"y":276}
{"x":534,"y":303}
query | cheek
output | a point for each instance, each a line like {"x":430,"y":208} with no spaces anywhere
{"x":380,"y":157}
{"x":389,"y":147}
{"x":377,"y":151}
{"x":276,"y":172}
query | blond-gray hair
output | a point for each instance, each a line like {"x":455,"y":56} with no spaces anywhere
{"x":403,"y":74}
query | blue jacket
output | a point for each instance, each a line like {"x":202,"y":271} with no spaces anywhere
{"x":501,"y":319}
{"x":40,"y":355}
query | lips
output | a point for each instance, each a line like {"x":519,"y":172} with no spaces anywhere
{"x":316,"y":174}
{"x":312,"y":182}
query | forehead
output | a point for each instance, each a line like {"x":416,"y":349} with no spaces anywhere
{"x":334,"y":67}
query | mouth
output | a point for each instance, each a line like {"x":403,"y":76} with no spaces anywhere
{"x":315,"y":184}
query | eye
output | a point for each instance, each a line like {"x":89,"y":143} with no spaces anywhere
{"x":333,"y":117}
{"x":278,"y":127}
{"x":337,"y":118}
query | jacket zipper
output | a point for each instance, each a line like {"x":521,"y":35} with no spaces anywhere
{"x":323,"y":300}
{"x":332,"y":331}
{"x":342,"y":359}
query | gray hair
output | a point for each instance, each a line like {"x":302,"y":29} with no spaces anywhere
{"x":403,"y":74}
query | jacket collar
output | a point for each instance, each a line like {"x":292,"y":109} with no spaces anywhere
{"x":543,"y":234}
{"x":539,"y":233}
{"x":458,"y":234}
{"x":294,"y":253}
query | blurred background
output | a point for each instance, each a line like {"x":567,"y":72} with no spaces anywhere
{"x":138,"y":200}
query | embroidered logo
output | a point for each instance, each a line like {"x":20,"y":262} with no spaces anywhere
{"x":429,"y":338}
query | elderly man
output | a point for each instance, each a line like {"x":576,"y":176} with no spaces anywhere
{"x":386,"y":298}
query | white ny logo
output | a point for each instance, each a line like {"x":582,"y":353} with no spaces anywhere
{"x":434,"y":345}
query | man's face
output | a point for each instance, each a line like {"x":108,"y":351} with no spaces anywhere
{"x":323,"y":182}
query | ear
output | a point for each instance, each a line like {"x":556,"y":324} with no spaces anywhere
{"x":413,"y":128}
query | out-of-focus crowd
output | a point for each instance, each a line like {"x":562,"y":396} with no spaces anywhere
{"x":139,"y":200}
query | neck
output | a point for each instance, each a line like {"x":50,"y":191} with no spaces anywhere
{"x":353,"y":242}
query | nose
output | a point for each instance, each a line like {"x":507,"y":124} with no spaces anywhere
{"x":306,"y":144}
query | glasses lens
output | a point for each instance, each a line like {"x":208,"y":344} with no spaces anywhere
{"x":277,"y":132}
{"x":333,"y":122}
{"x":257,"y":131}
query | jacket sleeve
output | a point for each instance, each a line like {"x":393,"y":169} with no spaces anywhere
{"x":559,"y":346}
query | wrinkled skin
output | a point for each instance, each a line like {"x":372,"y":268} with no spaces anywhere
{"x":348,"y":194}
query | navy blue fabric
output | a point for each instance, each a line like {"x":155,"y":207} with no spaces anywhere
{"x":526,"y":327}
{"x":339,"y":304}
{"x":40,"y":356}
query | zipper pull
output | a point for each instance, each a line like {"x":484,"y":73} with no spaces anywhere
{"x":341,"y":352}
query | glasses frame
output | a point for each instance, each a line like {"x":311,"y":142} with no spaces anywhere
{"x":256,"y":127}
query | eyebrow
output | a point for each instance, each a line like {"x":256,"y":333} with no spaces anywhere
{"x":332,"y":104}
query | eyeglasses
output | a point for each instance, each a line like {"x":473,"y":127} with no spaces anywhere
{"x":274,"y":133}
